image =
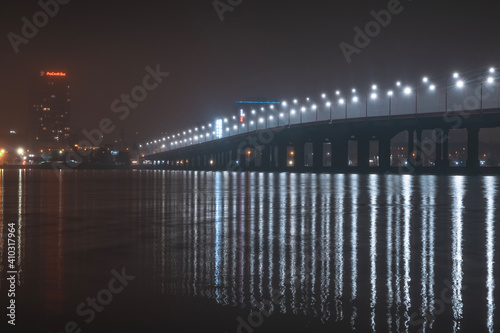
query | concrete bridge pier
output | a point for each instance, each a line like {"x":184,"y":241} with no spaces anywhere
{"x":419,"y":159}
{"x":265,"y":161}
{"x":339,"y":158}
{"x":298,"y":156}
{"x":411,"y":147}
{"x":283,"y":156}
{"x":384,"y":152}
{"x":445,"y":160}
{"x":473,"y":149}
{"x":318,"y":155}
{"x":363,"y":153}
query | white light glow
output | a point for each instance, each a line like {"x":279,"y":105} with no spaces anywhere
{"x":373,"y":96}
{"x":407,"y":90}
{"x":460,"y":84}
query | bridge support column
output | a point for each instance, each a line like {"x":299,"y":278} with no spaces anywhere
{"x":363,"y":153}
{"x":445,"y":161}
{"x":411,"y":148}
{"x":339,"y":159}
{"x":265,"y":162}
{"x":318,"y":155}
{"x":419,"y":159}
{"x":439,"y":149}
{"x":299,"y":156}
{"x":473,"y":149}
{"x":384,"y":151}
{"x":282,"y":157}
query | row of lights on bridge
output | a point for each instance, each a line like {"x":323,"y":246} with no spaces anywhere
{"x":180,"y":137}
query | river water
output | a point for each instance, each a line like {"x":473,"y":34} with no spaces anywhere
{"x":250,"y":252}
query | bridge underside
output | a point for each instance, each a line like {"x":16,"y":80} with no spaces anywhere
{"x":329,"y":147}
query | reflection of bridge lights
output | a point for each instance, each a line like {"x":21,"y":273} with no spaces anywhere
{"x":211,"y":162}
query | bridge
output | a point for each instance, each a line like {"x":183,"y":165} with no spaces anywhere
{"x":346,"y":131}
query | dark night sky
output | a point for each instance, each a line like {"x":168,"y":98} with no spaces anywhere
{"x":275,"y":49}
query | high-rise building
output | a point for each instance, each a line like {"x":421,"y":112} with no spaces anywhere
{"x":51,"y":108}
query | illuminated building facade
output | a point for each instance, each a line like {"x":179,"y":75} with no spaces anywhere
{"x":51,"y":108}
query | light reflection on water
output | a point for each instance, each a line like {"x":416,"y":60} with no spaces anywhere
{"x":372,"y":253}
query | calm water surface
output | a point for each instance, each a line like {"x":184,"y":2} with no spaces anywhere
{"x":253,"y":252}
